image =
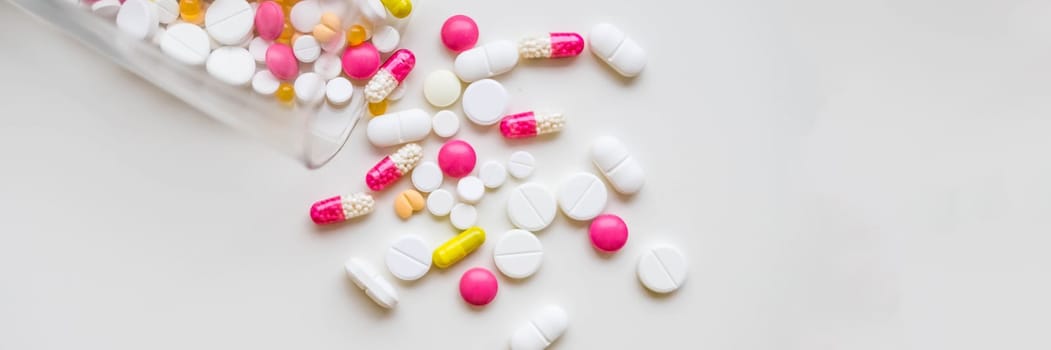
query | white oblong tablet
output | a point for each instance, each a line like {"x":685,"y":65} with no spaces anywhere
{"x":427,"y":177}
{"x":106,"y":8}
{"x":518,"y":254}
{"x":582,"y":196}
{"x":622,"y":171}
{"x":373,"y":11}
{"x":400,"y":127}
{"x":409,"y":258}
{"x":521,"y":164}
{"x":445,"y":123}
{"x":440,"y":202}
{"x":264,"y":83}
{"x":309,"y":88}
{"x":485,"y":102}
{"x":493,"y":174}
{"x":531,"y":207}
{"x":305,"y":15}
{"x":470,"y":189}
{"x":662,"y":269}
{"x":257,"y":47}
{"x":328,"y":66}
{"x":486,"y":61}
{"x":231,"y":65}
{"x":463,"y":216}
{"x":339,"y":90}
{"x":167,"y":10}
{"x":306,"y":49}
{"x":138,"y":18}
{"x":386,"y":39}
{"x":441,"y":88}
{"x":612,"y":46}
{"x":368,"y":279}
{"x":186,"y":43}
{"x":229,"y":21}
{"x":543,"y":329}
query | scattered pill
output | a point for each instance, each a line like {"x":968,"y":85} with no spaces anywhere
{"x":398,"y":8}
{"x":373,"y":11}
{"x":531,"y":207}
{"x":518,"y":254}
{"x":399,"y":127}
{"x":257,"y":47}
{"x":356,"y":35}
{"x":393,"y":167}
{"x":310,"y":88}
{"x":485,"y":101}
{"x":530,"y":124}
{"x":612,"y":46}
{"x":456,"y":248}
{"x":408,"y":202}
{"x":608,"y":233}
{"x":328,"y":29}
{"x":229,"y":21}
{"x":368,"y":279}
{"x":463,"y":216}
{"x":457,"y":158}
{"x":305,"y":15}
{"x":478,"y":286}
{"x":265,"y":83}
{"x":440,"y":202}
{"x":186,"y":43}
{"x":386,"y":39}
{"x":328,"y":66}
{"x":341,"y":208}
{"x":281,"y":62}
{"x":269,"y":20}
{"x":336,"y":44}
{"x":470,"y":189}
{"x":427,"y":177}
{"x":662,"y":269}
{"x":286,"y":93}
{"x":231,"y":65}
{"x":493,"y":174}
{"x":521,"y":164}
{"x":339,"y":91}
{"x":106,"y":8}
{"x":167,"y":10}
{"x":459,"y":33}
{"x":552,"y":45}
{"x":621,"y":170}
{"x":408,"y":258}
{"x":397,"y":94}
{"x":445,"y":123}
{"x":378,"y":108}
{"x":191,"y":11}
{"x":441,"y":88}
{"x":582,"y":196}
{"x":306,"y":48}
{"x":542,"y":330}
{"x":138,"y":18}
{"x":486,"y":61}
{"x":390,"y":75}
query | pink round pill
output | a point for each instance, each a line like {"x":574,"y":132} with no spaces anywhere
{"x":269,"y":20}
{"x":362,"y":61}
{"x":459,"y":33}
{"x":608,"y":233}
{"x":456,"y":158}
{"x":478,"y":286}
{"x":281,"y":62}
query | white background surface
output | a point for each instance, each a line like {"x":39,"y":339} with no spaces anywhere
{"x":842,"y":175}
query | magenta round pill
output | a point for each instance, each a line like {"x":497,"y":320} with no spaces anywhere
{"x":361,"y":61}
{"x":269,"y":20}
{"x":456,"y":158}
{"x":459,"y":33}
{"x":478,"y":286}
{"x":281,"y":62}
{"x":608,"y":233}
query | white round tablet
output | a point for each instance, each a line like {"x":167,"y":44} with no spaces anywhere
{"x":398,"y":93}
{"x":518,"y":254}
{"x":138,"y":18}
{"x":305,"y":15}
{"x":445,"y":123}
{"x":531,"y":207}
{"x":427,"y":176}
{"x":328,"y":66}
{"x":229,"y":21}
{"x":386,"y":39}
{"x":440,"y":202}
{"x":662,"y":269}
{"x":339,"y":91}
{"x":409,"y":258}
{"x":106,"y":8}
{"x":582,"y":196}
{"x":470,"y":189}
{"x":463,"y":216}
{"x":485,"y":101}
{"x":521,"y":164}
{"x":186,"y":43}
{"x":441,"y":88}
{"x":309,"y":88}
{"x":167,"y":10}
{"x":257,"y":47}
{"x":306,"y":49}
{"x":231,"y":65}
{"x":264,"y":83}
{"x":493,"y":174}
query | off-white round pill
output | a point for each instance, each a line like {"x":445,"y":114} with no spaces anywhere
{"x":309,"y":88}
{"x":543,"y":329}
{"x":409,"y":258}
{"x":264,"y":83}
{"x":518,"y":254}
{"x":305,"y":15}
{"x":369,"y":280}
{"x":445,"y":123}
{"x":328,"y":66}
{"x":339,"y":90}
{"x":440,"y":202}
{"x":427,"y":177}
{"x":306,"y":49}
{"x":257,"y":47}
{"x":167,"y":10}
{"x":493,"y":174}
{"x":485,"y":101}
{"x":106,"y":8}
{"x":471,"y":189}
{"x":662,"y":269}
{"x":441,"y":88}
{"x":230,"y":22}
{"x":138,"y":18}
{"x":463,"y":216}
{"x":386,"y":39}
{"x":521,"y":164}
{"x":582,"y":196}
{"x":186,"y":43}
{"x":531,"y":207}
{"x":231,"y":65}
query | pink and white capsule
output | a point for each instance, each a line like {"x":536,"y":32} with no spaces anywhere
{"x":393,"y":167}
{"x":341,"y":208}
{"x":530,"y":124}
{"x":552,"y":45}
{"x":390,"y":75}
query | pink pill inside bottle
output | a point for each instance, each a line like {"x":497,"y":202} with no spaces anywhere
{"x":269,"y":20}
{"x":281,"y":62}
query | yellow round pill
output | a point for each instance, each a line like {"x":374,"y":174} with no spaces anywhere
{"x":285,"y":93}
{"x":356,"y":35}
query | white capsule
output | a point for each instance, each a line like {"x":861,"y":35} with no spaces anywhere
{"x":612,"y":46}
{"x":486,"y":61}
{"x":399,"y":127}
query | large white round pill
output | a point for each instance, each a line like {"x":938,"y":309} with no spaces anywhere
{"x":229,"y":21}
{"x":257,"y":47}
{"x":186,"y":43}
{"x":471,"y":189}
{"x":441,"y":88}
{"x":309,"y":88}
{"x":662,"y":269}
{"x":106,"y":8}
{"x":386,"y":39}
{"x":339,"y":91}
{"x":368,"y":279}
{"x":445,"y":123}
{"x":138,"y":18}
{"x":167,"y":10}
{"x":531,"y":207}
{"x":328,"y":66}
{"x":463,"y":216}
{"x":264,"y":83}
{"x":409,"y":258}
{"x":427,"y":176}
{"x":231,"y":65}
{"x":485,"y":101}
{"x":521,"y":164}
{"x":440,"y":202}
{"x":543,"y":329}
{"x":582,"y":196}
{"x":493,"y":174}
{"x":305,"y":15}
{"x":518,"y":254}
{"x":306,"y":48}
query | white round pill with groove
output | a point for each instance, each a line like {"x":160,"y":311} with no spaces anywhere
{"x":138,"y":18}
{"x":409,"y":258}
{"x":521,"y":164}
{"x":306,"y":49}
{"x":518,"y":254}
{"x":662,"y":269}
{"x":229,"y":22}
{"x":582,"y":196}
{"x":167,"y":10}
{"x":531,"y":207}
{"x":186,"y":43}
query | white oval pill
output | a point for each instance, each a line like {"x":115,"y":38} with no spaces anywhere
{"x":305,"y":15}
{"x":231,"y":65}
{"x":471,"y":189}
{"x":106,"y":8}
{"x":445,"y":123}
{"x":662,"y":269}
{"x":309,"y":88}
{"x":186,"y":43}
{"x":400,"y":127}
{"x":229,"y":21}
{"x":386,"y":39}
{"x":485,"y":102}
{"x":339,"y":91}
{"x":531,"y":207}
{"x":167,"y":10}
{"x":440,"y":202}
{"x":521,"y":164}
{"x":409,"y":258}
{"x":264,"y":83}
{"x":463,"y":216}
{"x":621,"y":170}
{"x":257,"y":47}
{"x":328,"y":66}
{"x":306,"y":48}
{"x":543,"y":329}
{"x":368,"y":279}
{"x":486,"y":61}
{"x":518,"y":254}
{"x":612,"y":46}
{"x":427,"y":176}
{"x":493,"y":174}
{"x":582,"y":196}
{"x":138,"y":18}
{"x":441,"y":88}
{"x":373,"y":11}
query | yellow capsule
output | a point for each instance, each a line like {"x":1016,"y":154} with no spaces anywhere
{"x":356,"y":35}
{"x":455,"y":249}
{"x":398,"y":8}
{"x":285,"y":93}
{"x":378,"y":108}
{"x":190,"y":11}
